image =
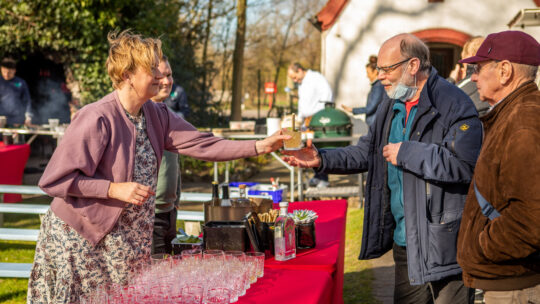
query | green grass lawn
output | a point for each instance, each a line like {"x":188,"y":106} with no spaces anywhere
{"x":358,"y":275}
{"x":356,"y":289}
{"x":14,"y":290}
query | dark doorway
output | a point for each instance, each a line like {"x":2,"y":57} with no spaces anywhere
{"x":444,"y":57}
{"x":47,"y":84}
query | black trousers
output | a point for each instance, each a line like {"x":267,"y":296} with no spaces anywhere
{"x":449,"y":290}
{"x":164,"y":232}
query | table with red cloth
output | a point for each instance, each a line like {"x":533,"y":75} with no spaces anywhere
{"x":315,"y":275}
{"x":12,"y":162}
{"x":290,"y":286}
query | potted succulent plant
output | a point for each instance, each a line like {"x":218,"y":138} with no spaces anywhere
{"x":304,"y":221}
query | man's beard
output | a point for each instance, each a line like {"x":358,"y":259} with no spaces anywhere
{"x":405,"y":79}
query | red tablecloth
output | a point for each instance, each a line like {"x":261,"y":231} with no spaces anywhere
{"x":12,"y":162}
{"x":290,"y":286}
{"x":329,"y":254}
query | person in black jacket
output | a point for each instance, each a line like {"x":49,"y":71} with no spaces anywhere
{"x":169,"y":181}
{"x":420,"y":154}
{"x":375,"y":95}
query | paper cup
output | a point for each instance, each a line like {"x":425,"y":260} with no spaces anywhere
{"x":272,"y":125}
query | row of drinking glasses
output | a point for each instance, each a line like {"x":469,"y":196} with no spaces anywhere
{"x":194,"y":277}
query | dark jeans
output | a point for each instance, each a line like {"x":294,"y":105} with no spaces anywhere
{"x":164,"y":232}
{"x":449,"y":290}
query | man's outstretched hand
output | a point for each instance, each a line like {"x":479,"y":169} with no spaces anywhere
{"x":307,"y":157}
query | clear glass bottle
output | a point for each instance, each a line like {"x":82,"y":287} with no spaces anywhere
{"x":242,"y":200}
{"x":284,"y":235}
{"x":225,"y":200}
{"x":215,"y":194}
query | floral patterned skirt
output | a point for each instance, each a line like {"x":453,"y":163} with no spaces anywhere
{"x":67,"y":267}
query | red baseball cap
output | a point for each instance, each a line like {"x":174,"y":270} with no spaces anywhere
{"x":514,"y":46}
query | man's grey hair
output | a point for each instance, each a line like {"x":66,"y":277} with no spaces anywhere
{"x":525,"y":70}
{"x":412,"y":47}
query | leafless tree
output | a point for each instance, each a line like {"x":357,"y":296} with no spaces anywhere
{"x":279,"y":35}
{"x":238,"y":60}
{"x":277,"y":32}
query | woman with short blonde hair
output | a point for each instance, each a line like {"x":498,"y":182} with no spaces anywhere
{"x":103,"y":178}
{"x":127,"y":52}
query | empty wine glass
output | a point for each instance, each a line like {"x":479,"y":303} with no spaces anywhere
{"x":160,"y":259}
{"x":258,"y":257}
{"x":192,"y":294}
{"x":218,"y":296}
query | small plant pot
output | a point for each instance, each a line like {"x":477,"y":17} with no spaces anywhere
{"x":305,"y":235}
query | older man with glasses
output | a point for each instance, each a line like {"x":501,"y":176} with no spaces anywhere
{"x":499,"y":240}
{"x":420,"y":154}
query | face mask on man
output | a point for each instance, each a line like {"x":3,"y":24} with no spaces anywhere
{"x":402,"y":91}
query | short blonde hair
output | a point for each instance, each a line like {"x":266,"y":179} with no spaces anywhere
{"x":471,"y":46}
{"x":130,"y":51}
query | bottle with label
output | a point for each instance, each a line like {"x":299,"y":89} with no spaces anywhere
{"x":242,"y":200}
{"x":225,"y":200}
{"x":215,"y":194}
{"x":284,"y":235}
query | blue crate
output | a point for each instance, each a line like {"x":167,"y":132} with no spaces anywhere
{"x":266,"y":189}
{"x":236,"y":184}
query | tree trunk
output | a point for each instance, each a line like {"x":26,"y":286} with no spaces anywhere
{"x":238,"y":60}
{"x":205,"y":49}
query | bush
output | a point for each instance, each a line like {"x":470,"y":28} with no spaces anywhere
{"x":194,"y":170}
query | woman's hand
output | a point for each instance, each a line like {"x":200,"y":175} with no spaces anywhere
{"x":271,"y":143}
{"x":133,"y":193}
{"x":458,"y":73}
{"x":346,"y":108}
{"x":307,"y":157}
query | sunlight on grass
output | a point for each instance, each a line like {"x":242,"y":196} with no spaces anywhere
{"x":13,"y":291}
{"x":17,"y":251}
{"x":358,"y":275}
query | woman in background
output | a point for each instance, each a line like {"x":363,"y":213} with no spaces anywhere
{"x":375,"y":95}
{"x":103,"y":178}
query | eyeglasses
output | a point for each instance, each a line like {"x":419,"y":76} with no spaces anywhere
{"x":390,"y":68}
{"x":478,"y":67}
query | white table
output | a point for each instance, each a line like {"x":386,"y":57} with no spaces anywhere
{"x":35,"y":132}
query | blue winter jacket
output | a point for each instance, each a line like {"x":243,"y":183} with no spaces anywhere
{"x":375,"y":96}
{"x":437,"y":162}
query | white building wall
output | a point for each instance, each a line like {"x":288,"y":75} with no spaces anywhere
{"x":365,"y":24}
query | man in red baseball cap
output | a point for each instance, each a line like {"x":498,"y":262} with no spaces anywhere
{"x":499,"y":239}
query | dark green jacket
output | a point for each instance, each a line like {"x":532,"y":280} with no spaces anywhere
{"x":168,"y":186}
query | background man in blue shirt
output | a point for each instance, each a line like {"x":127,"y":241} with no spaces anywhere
{"x":15,"y":102}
